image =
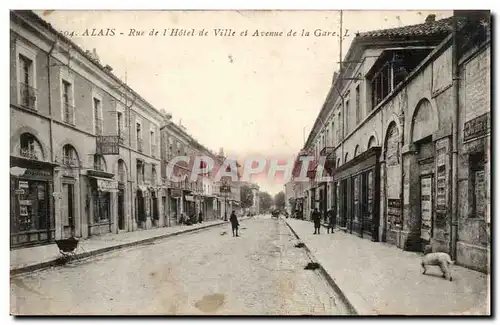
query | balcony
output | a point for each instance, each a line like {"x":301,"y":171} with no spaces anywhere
{"x":28,"y":153}
{"x":139,"y":145}
{"x":69,"y":111}
{"x":70,"y":161}
{"x":28,"y":95}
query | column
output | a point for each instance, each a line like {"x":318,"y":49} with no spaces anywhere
{"x":114,"y":212}
{"x":57,"y":203}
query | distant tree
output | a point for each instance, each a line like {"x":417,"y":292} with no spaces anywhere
{"x":246,"y":196}
{"x":279,"y":200}
{"x":265,"y":201}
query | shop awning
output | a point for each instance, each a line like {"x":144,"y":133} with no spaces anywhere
{"x":106,"y":184}
{"x":189,"y":198}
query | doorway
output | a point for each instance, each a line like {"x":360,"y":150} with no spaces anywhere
{"x":426,"y":209}
{"x":68,"y":210}
{"x":121,"y":207}
{"x":156,"y":215}
{"x":141,"y":215}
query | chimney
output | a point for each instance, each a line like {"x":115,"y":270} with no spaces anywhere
{"x":94,"y":54}
{"x":430,"y":19}
{"x":108,"y":68}
{"x":221,"y":152}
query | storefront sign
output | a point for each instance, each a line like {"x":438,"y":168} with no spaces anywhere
{"x":477,"y":127}
{"x":24,"y":202}
{"x":176,"y":192}
{"x":107,"y":185}
{"x":108,"y":145}
{"x":23,"y":184}
{"x":426,"y":207}
{"x":19,"y":192}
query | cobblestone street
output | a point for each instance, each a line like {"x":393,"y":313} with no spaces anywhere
{"x":208,"y":272}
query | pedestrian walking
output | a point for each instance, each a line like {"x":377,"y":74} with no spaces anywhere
{"x":316,"y":218}
{"x":234,"y":223}
{"x":331,"y":221}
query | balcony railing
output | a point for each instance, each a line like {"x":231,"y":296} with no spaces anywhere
{"x":29,"y":153}
{"x":70,"y":161}
{"x":69,"y":111}
{"x":139,"y":145}
{"x":28,"y":95}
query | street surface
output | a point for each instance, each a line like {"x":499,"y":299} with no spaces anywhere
{"x":204,"y":273}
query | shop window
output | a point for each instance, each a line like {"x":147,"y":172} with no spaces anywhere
{"x":101,"y":206}
{"x":477,"y":186}
{"x":33,"y":206}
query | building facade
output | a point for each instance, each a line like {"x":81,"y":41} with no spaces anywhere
{"x":405,"y":135}
{"x":87,"y":153}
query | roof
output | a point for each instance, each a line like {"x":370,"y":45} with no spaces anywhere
{"x":439,"y":27}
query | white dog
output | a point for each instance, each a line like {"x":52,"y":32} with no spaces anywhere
{"x":442,"y":260}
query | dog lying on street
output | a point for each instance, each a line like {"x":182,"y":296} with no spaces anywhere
{"x":442,"y":260}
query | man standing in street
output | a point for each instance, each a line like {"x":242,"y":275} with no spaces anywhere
{"x":316,"y":218}
{"x":331,"y":221}
{"x":234,"y":223}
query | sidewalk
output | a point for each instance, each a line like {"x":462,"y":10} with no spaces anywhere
{"x":37,"y":257}
{"x":381,"y":279}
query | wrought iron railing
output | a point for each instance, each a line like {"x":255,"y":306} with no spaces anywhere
{"x":28,"y":153}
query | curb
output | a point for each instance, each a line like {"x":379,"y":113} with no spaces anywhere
{"x":327,"y":276}
{"x":100,"y":251}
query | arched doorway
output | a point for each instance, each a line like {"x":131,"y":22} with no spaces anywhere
{"x":70,"y":162}
{"x":122,"y":185}
{"x":422,"y":172}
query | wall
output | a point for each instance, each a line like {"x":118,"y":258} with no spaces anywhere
{"x":473,"y":247}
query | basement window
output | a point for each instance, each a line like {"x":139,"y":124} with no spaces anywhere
{"x":391,"y":69}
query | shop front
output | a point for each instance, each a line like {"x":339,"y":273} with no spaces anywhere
{"x":31,"y":205}
{"x":175,"y":197}
{"x":141,"y":204}
{"x":189,"y":205}
{"x":104,"y":201}
{"x":356,"y":189}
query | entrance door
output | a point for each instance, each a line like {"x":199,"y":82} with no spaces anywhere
{"x":426,"y":190}
{"x":367,"y":203}
{"x":68,"y":210}
{"x":164,"y":209}
{"x":156,"y":215}
{"x":141,"y":215}
{"x":121,"y":209}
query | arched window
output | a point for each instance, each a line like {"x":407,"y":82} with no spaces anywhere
{"x":356,"y":150}
{"x":345,"y":157}
{"x":70,"y":156}
{"x":153,"y":175}
{"x":30,"y":147}
{"x":391,"y":148}
{"x":371,"y":142}
{"x":122,"y":171}
{"x":99,"y":163}
{"x":338,"y":162}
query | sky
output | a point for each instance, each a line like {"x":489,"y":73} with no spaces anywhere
{"x":249,"y":95}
